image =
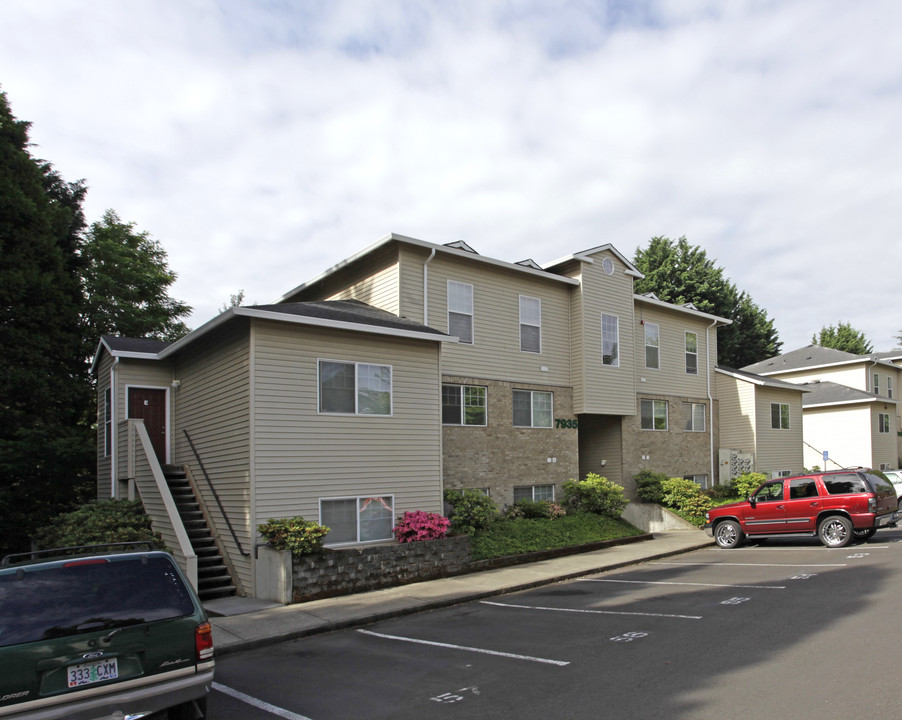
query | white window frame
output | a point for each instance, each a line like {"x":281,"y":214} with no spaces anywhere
{"x":460,"y":306}
{"x":108,"y":422}
{"x":610,"y":339}
{"x":529,"y":308}
{"x":543,"y":490}
{"x":534,"y":395}
{"x":889,"y":386}
{"x":358,"y":366}
{"x":653,"y":342}
{"x":366,"y":500}
{"x":700,"y":480}
{"x":462,"y":398}
{"x":876,"y":383}
{"x":692,"y":417}
{"x":780,"y":424}
{"x":655,"y":405}
{"x":691,"y":355}
{"x":883,"y":423}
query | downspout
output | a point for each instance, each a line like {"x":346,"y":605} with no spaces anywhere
{"x":114,"y":438}
{"x":710,"y":399}
{"x":426,"y":288}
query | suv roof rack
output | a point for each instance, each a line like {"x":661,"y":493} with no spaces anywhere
{"x":52,"y":553}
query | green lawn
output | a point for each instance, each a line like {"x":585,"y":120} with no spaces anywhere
{"x":513,"y":537}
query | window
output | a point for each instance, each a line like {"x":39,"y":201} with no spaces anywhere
{"x":360,"y":519}
{"x":652,"y":345}
{"x":695,"y":417}
{"x":802,"y":488}
{"x":889,"y":386}
{"x":463,"y":405}
{"x":779,"y":416}
{"x":530,"y":324}
{"x":460,"y":311}
{"x":876,"y":384}
{"x":610,"y":340}
{"x":354,"y":388}
{"x":844,"y":483}
{"x":654,"y":414}
{"x":534,"y":493}
{"x":107,"y":422}
{"x":700,"y":480}
{"x":883,"y":422}
{"x":691,"y":353}
{"x":532,"y":408}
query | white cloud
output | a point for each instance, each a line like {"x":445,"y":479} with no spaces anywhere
{"x":263,"y":142}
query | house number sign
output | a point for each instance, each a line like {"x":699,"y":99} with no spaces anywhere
{"x":566,"y":423}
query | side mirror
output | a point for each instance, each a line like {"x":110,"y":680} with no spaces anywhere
{"x":752,"y":500}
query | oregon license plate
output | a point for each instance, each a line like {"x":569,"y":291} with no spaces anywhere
{"x":93,"y":672}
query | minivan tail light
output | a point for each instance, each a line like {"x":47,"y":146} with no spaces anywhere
{"x":203,"y":641}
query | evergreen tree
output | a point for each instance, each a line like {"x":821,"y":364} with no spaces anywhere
{"x":843,"y":337}
{"x":679,"y":273}
{"x":126,"y":280}
{"x":46,"y":444}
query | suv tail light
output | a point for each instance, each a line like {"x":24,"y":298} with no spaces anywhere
{"x":872,"y":504}
{"x":203,"y":642}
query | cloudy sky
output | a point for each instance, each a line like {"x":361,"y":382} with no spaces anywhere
{"x":262,"y":141}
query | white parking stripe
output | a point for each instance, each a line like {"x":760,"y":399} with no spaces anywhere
{"x":465,"y":648}
{"x":259,"y":704}
{"x":717,"y":564}
{"x":590,"y":612}
{"x":652,"y":582}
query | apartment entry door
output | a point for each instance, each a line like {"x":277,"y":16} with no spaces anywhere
{"x":149,"y":405}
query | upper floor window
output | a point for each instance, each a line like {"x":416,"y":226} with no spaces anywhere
{"x":652,"y":345}
{"x":463,"y":405}
{"x":876,"y":384}
{"x":530,"y":324}
{"x":107,"y":422}
{"x":889,"y":386}
{"x":691,"y":353}
{"x":779,"y":416}
{"x":654,"y":414}
{"x":460,"y":311}
{"x":610,"y":340}
{"x":695,"y":417}
{"x":354,"y":388}
{"x":532,"y":408}
{"x":883,"y":422}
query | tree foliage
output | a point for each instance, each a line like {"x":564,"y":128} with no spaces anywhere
{"x":46,"y":452}
{"x":126,"y":279}
{"x":843,"y":337}
{"x":680,"y":273}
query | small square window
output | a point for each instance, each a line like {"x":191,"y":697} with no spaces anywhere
{"x":654,"y":414}
{"x":532,"y":408}
{"x":779,"y":416}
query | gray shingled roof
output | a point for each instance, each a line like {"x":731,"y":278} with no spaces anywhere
{"x":351,"y":311}
{"x":135,"y":345}
{"x":761,"y":379}
{"x":831,"y":393}
{"x":810,"y":356}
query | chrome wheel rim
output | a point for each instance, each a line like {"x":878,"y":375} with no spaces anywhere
{"x":835,"y":532}
{"x":726,"y":535}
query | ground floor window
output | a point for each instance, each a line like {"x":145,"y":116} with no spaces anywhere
{"x":695,"y":417}
{"x":532,"y":408}
{"x":702,"y":480}
{"x":357,"y":519}
{"x":463,"y":405}
{"x":654,"y":414}
{"x":534,"y":493}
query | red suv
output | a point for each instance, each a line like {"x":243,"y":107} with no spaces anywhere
{"x":835,"y":506}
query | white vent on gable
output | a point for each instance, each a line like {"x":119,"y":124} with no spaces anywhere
{"x":607,"y":265}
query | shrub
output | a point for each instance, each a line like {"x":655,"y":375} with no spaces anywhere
{"x":595,"y":494}
{"x":679,"y":491}
{"x":415,"y":526}
{"x":720,"y":492}
{"x":542,"y":509}
{"x":648,"y":486}
{"x":99,"y":521}
{"x":470,"y":510}
{"x":695,"y":508}
{"x":302,"y":537}
{"x":747,"y":483}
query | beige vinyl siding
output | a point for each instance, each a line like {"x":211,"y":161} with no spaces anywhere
{"x":671,"y":377}
{"x":779,"y":450}
{"x":104,"y":463}
{"x":302,"y":456}
{"x":411,"y":261}
{"x":601,"y":441}
{"x":883,"y":445}
{"x":131,"y":373}
{"x":606,"y":389}
{"x":495,"y":352}
{"x":737,"y":413}
{"x":213,"y":405}
{"x":854,"y":376}
{"x":843,"y":431}
{"x":379,"y":290}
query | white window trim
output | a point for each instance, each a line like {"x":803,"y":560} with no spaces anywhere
{"x":460,"y":389}
{"x":358,"y":498}
{"x":532,"y":408}
{"x":530,"y":324}
{"x":616,"y":320}
{"x":108,"y":422}
{"x":883,"y":426}
{"x":788,"y":416}
{"x":666,"y":415}
{"x":889,"y":386}
{"x":876,"y":384}
{"x":532,"y":491}
{"x":688,"y":353}
{"x":470,"y":312}
{"x":356,"y":413}
{"x":691,"y":409}
{"x":646,"y":327}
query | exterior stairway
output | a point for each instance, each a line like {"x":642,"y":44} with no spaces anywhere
{"x":213,"y":577}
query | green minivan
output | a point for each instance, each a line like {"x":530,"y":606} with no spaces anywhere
{"x":101,"y":632}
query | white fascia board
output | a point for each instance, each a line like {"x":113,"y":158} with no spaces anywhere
{"x":805,"y":368}
{"x":721,"y":321}
{"x":859,"y":401}
{"x":764,"y":382}
{"x":395,"y":237}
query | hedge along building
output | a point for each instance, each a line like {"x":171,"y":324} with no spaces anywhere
{"x":560,"y":370}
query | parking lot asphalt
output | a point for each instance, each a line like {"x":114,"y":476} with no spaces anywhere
{"x":245,"y":623}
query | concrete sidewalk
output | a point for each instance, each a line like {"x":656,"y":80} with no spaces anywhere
{"x":244,"y":623}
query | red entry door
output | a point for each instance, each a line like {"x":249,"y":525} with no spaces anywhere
{"x":149,"y":405}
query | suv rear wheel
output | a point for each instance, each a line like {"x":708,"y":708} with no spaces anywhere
{"x":835,"y":531}
{"x":728,"y":534}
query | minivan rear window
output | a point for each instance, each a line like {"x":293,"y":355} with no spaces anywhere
{"x":844,"y":483}
{"x":41,"y":602}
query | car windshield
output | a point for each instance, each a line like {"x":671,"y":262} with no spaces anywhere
{"x":43,"y":602}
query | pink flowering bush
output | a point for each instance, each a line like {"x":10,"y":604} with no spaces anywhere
{"x":419,"y":525}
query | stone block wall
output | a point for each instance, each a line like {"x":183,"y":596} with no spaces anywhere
{"x":344,"y":571}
